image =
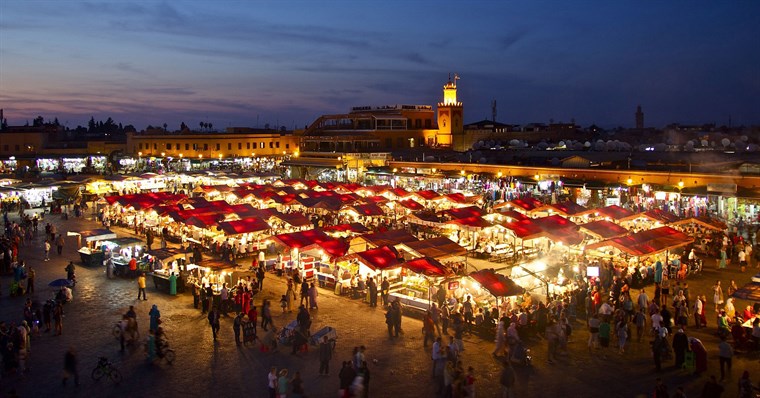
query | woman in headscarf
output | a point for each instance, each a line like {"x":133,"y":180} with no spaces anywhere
{"x":155,"y":315}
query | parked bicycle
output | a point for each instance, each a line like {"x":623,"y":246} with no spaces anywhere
{"x":106,"y":368}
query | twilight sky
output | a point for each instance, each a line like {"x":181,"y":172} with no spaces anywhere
{"x":233,"y":63}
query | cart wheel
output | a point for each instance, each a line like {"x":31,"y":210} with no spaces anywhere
{"x":97,"y":373}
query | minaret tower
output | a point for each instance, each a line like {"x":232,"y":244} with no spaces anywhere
{"x":450,"y":114}
{"x":639,"y":118}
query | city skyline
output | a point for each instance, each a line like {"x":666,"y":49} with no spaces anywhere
{"x":286,"y":63}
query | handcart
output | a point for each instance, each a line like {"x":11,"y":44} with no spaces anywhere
{"x":327,"y":331}
{"x":249,"y":332}
{"x":285,"y":335}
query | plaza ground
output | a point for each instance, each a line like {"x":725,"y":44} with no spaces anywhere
{"x":399,"y":368}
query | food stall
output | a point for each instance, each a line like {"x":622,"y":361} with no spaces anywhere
{"x":486,"y":284}
{"x":418,"y":277}
{"x":166,"y":261}
{"x":92,"y":252}
{"x":378,"y":263}
{"x":211,"y":272}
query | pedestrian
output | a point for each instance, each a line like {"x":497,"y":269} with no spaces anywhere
{"x":604,"y":336}
{"x":123,"y":324}
{"x":47,"y":250}
{"x":660,"y":390}
{"x":640,"y":320}
{"x":469,"y":383}
{"x":313,"y":297}
{"x":305,"y":293}
{"x":213,"y":320}
{"x":70,"y":367}
{"x":428,"y":328}
{"x":385,"y":288}
{"x":680,"y":346}
{"x":445,"y":317}
{"x":155,"y":317}
{"x":325,"y":355}
{"x":141,"y":286}
{"x":622,"y":335}
{"x":266,"y":315}
{"x":373,"y":292}
{"x":236,"y":324}
{"x":507,"y":380}
{"x":173,"y":284}
{"x":282,"y":383}
{"x":725,"y":354}
{"x":30,"y":281}
{"x":346,"y":376}
{"x":296,"y":385}
{"x":59,"y":242}
{"x":593,"y":328}
{"x":272,"y":382}
{"x":58,"y":318}
{"x":260,"y":278}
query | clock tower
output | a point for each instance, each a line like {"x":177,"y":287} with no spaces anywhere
{"x":450,"y":117}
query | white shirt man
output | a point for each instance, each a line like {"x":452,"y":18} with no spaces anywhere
{"x":643,"y":300}
{"x":605,"y":309}
{"x":656,"y":321}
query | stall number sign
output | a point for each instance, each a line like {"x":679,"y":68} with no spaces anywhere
{"x":454,"y":285}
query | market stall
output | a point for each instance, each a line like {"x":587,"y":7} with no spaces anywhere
{"x":92,"y":252}
{"x":416,"y":289}
{"x":165,"y":263}
{"x":486,"y":287}
{"x":120,"y":251}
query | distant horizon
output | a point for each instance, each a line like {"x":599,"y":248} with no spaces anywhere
{"x":286,"y":63}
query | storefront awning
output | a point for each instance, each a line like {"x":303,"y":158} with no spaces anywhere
{"x":704,"y":221}
{"x":410,"y":204}
{"x":366,"y":210}
{"x":91,"y":235}
{"x":471,"y":223}
{"x":427,"y":266}
{"x":379,"y":258}
{"x":565,"y":208}
{"x":646,"y":243}
{"x":436,"y":248}
{"x":352,"y":227}
{"x":614,"y":212}
{"x":497,"y":284}
{"x":603,"y":229}
{"x":463,"y":212}
{"x":243,"y":226}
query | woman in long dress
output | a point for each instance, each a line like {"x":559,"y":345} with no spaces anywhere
{"x":722,"y":263}
{"x":717,"y":295}
{"x":312,"y":297}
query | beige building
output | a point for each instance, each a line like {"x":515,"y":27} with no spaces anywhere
{"x":235,"y":142}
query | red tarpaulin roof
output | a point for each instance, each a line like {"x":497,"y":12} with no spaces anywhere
{"x":427,"y":194}
{"x":604,"y":229}
{"x":354,"y":227}
{"x":243,"y":226}
{"x":379,"y":258}
{"x":307,"y":239}
{"x":566,"y":208}
{"x":471,"y":222}
{"x":661,"y":216}
{"x":294,"y":219}
{"x":461,"y":199}
{"x":464,"y":212}
{"x":614,"y":212}
{"x":204,"y":220}
{"x":426,"y":266}
{"x":388,"y":238}
{"x":525,"y":229}
{"x":440,"y":247}
{"x":497,"y":284}
{"x":410,"y":204}
{"x":142,"y":201}
{"x":526,"y":203}
{"x":513,"y":215}
{"x":397,"y":192}
{"x":369,"y":210}
{"x":647,"y":243}
{"x":708,"y":222}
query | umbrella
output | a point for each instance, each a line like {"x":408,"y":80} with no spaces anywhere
{"x":60,"y":282}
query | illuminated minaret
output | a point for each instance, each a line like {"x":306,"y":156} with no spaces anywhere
{"x":450,"y":113}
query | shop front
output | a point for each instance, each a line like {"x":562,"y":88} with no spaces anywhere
{"x":92,"y":252}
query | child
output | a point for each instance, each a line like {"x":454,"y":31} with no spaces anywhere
{"x":283,"y":303}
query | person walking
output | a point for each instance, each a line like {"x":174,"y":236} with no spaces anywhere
{"x":717,"y":295}
{"x":282,"y":383}
{"x":622,"y":334}
{"x":70,"y":367}
{"x":325,"y":355}
{"x":680,"y":346}
{"x":213,"y":320}
{"x":155,"y":316}
{"x":313,"y":297}
{"x":272,"y":382}
{"x":58,"y":318}
{"x":236,"y":324}
{"x":59,"y":242}
{"x":725,"y":354}
{"x":141,"y":286}
{"x":30,"y":281}
{"x":47,"y":250}
{"x":507,"y":380}
{"x":428,"y":329}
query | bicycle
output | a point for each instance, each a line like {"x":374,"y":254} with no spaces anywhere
{"x":106,"y":368}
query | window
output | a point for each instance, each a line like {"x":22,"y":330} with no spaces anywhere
{"x":428,"y":123}
{"x":271,"y":144}
{"x":168,"y":146}
{"x":287,"y":146}
{"x":229,"y":146}
{"x":262,"y":145}
{"x":248,"y":145}
{"x":277,"y":144}
{"x":155,"y":146}
{"x":218,"y":146}
{"x":141,"y":145}
{"x":187,"y":147}
{"x":178,"y":146}
{"x":240,"y":145}
{"x":418,"y":123}
{"x":205,"y":147}
{"x":195,"y":147}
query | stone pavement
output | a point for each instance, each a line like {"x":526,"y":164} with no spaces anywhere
{"x":402,"y":367}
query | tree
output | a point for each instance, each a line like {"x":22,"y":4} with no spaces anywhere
{"x":210,"y":126}
{"x":38,"y":121}
{"x":165,"y":126}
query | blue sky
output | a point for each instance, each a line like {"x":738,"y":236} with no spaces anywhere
{"x":232,"y":63}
